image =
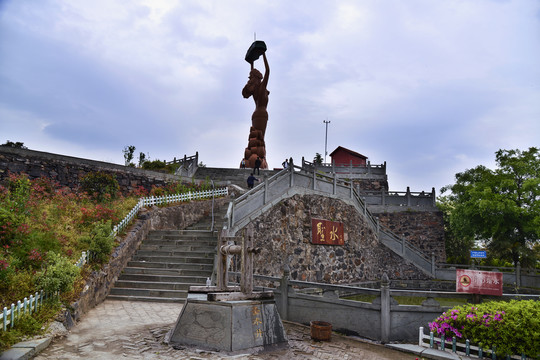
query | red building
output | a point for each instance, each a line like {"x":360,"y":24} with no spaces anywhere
{"x":346,"y":157}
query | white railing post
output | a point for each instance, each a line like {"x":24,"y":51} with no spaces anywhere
{"x":5,"y":318}
{"x":421,"y":336}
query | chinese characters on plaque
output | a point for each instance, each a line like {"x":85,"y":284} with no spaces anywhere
{"x":326,"y":232}
{"x":479,"y":282}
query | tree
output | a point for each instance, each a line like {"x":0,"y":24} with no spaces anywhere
{"x":317,"y":160}
{"x":18,"y":144}
{"x":457,"y":245}
{"x":143,"y":158}
{"x":128,"y":154}
{"x":500,"y":207}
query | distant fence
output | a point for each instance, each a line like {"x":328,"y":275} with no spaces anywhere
{"x":399,"y":198}
{"x":33,"y":302}
{"x":343,"y":170}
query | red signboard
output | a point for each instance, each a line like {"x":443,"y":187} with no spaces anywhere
{"x":479,"y":282}
{"x":325,"y":232}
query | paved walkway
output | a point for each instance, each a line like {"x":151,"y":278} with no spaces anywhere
{"x":135,"y":330}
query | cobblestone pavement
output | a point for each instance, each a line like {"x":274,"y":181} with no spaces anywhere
{"x":135,"y":330}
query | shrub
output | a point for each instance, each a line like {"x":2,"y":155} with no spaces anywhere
{"x":99,"y":241}
{"x":510,"y":326}
{"x":100,"y":186}
{"x":90,"y":215}
{"x":154,"y":165}
{"x":59,"y":274}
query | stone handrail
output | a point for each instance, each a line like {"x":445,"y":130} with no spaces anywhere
{"x":381,"y":319}
{"x":346,"y":169}
{"x":188,"y":165}
{"x":296,"y":180}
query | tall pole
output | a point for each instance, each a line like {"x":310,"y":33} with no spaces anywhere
{"x":326,"y":122}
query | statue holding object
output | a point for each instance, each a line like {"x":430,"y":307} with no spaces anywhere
{"x":256,"y":87}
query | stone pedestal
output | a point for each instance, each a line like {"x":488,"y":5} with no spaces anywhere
{"x":228,"y":325}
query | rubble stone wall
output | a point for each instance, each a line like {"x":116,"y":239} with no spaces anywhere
{"x":68,"y":170}
{"x":284,"y":235}
{"x":423,"y":229}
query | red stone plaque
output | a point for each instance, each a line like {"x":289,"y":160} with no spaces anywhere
{"x":479,"y":282}
{"x":325,"y":232}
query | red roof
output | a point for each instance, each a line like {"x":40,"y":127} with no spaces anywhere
{"x":354,"y":153}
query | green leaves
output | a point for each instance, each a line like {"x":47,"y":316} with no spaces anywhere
{"x":499,"y":206}
{"x":59,"y":274}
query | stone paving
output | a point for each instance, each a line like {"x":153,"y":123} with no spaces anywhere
{"x":136,"y":330}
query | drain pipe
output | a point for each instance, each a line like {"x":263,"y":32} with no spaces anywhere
{"x":213,"y":194}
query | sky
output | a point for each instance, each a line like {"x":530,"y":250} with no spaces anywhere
{"x":432,"y":88}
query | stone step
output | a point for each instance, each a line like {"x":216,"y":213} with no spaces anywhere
{"x":150,"y":285}
{"x":171,"y":272}
{"x":175,"y":259}
{"x":183,"y":234}
{"x":154,"y":278}
{"x":174,"y":253}
{"x":156,"y":293}
{"x":176,"y":266}
{"x":148,"y":299}
{"x":182,"y":242}
{"x":184,"y":247}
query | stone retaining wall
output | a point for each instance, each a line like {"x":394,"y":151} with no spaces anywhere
{"x":169,"y":218}
{"x":69,"y":170}
{"x":284,"y":235}
{"x":423,"y":229}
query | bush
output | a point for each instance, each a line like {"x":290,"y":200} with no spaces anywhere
{"x":510,"y":326}
{"x":59,"y":274}
{"x":100,"y":186}
{"x":99,"y":242}
{"x":154,"y":165}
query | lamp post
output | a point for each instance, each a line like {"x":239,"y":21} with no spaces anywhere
{"x":326,"y":122}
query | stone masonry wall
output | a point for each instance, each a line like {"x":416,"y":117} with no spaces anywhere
{"x":69,"y":170}
{"x":284,"y":235}
{"x":168,"y":218}
{"x":423,"y":229}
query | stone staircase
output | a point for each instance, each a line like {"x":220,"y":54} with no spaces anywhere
{"x":168,"y":262}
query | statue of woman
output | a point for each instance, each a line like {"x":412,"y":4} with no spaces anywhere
{"x":256,"y":87}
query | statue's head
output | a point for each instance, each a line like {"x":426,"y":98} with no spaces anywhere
{"x":255,"y":78}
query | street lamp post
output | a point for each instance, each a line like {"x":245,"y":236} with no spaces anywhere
{"x":326,"y":122}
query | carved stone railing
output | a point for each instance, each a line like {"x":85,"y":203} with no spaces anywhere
{"x":344,"y":170}
{"x":188,"y":165}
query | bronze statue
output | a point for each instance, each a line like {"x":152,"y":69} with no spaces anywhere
{"x":256,"y":87}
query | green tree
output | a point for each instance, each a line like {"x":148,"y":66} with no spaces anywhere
{"x":501,"y":206}
{"x":128,"y":154}
{"x":318,"y":160}
{"x":457,"y":245}
{"x":18,"y":144}
{"x":143,"y":158}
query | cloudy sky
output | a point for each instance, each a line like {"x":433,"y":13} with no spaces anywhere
{"x":430,"y":87}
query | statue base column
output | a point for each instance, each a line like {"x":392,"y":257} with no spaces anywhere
{"x":228,"y":325}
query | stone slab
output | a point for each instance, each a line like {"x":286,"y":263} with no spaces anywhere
{"x":228,"y":325}
{"x":25,"y":350}
{"x":426,"y":352}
